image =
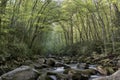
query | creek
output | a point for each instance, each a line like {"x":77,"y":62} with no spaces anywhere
{"x":74,"y":66}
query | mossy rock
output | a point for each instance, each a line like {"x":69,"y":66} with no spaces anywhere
{"x":109,"y":70}
{"x":44,"y":77}
{"x":80,"y":74}
{"x":51,"y":75}
{"x":89,"y":71}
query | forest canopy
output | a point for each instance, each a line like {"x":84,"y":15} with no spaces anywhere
{"x":59,"y":26}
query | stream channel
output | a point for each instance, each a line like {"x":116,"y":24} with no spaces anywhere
{"x":74,"y":66}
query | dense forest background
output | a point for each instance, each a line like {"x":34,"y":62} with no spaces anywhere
{"x":59,"y":27}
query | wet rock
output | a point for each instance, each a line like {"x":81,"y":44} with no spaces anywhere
{"x":82,"y":66}
{"x":50,"y":62}
{"x":21,"y":73}
{"x":59,"y":64}
{"x":44,"y":77}
{"x":40,"y":66}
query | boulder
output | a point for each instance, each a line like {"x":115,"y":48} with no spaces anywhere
{"x":102,"y":78}
{"x":74,"y":75}
{"x":53,"y":76}
{"x":77,"y":74}
{"x":0,"y":78}
{"x":40,"y":61}
{"x":107,"y":70}
{"x":40,"y":66}
{"x":110,"y":70}
{"x":21,"y":73}
{"x":101,"y":70}
{"x":59,"y":64}
{"x":50,"y":62}
{"x":114,"y":76}
{"x":82,"y":66}
{"x":44,"y":77}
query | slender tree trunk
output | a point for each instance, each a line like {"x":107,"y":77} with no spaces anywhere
{"x":71,"y":31}
{"x":2,"y":11}
{"x":102,"y":24}
{"x":36,"y":31}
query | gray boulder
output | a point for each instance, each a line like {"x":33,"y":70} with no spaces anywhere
{"x":21,"y":73}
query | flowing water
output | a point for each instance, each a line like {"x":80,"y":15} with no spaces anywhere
{"x":74,"y":66}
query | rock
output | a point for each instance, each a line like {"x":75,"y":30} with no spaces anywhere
{"x":50,"y":62}
{"x":53,"y":76}
{"x":118,"y":64}
{"x":0,"y":78}
{"x":101,"y":70}
{"x":40,"y":61}
{"x":115,"y":76}
{"x":44,"y":77}
{"x":21,"y":73}
{"x":77,"y":74}
{"x":90,"y":71}
{"x":59,"y":64}
{"x":66,"y":66}
{"x":58,"y":76}
{"x":102,"y":78}
{"x":67,"y":60}
{"x":38,"y":66}
{"x":74,"y":76}
{"x":109,"y":70}
{"x":28,"y":62}
{"x":82,"y":66}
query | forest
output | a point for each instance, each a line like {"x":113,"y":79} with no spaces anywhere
{"x":59,"y":39}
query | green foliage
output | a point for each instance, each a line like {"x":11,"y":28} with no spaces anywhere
{"x":18,"y":50}
{"x":86,"y":48}
{"x":41,"y":27}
